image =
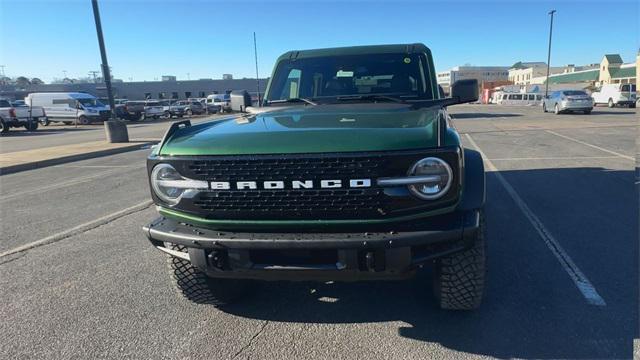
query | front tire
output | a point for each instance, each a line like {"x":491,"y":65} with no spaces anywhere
{"x":189,"y":112}
{"x":556,"y":110}
{"x":31,"y":126}
{"x":4,"y":128}
{"x":83,"y":120}
{"x":45,"y":122}
{"x":544,"y":108}
{"x":610,"y":103}
{"x":459,"y":279}
{"x":196,"y":286}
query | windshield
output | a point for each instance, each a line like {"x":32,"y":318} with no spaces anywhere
{"x":626,"y":87}
{"x":89,"y":102}
{"x":352,"y":75}
{"x":574,"y":92}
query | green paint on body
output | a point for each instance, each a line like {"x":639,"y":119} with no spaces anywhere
{"x":311,"y":129}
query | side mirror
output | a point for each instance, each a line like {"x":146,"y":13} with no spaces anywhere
{"x":240,"y":100}
{"x":464,"y":91}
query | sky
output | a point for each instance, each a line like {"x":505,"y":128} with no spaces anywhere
{"x":203,"y":39}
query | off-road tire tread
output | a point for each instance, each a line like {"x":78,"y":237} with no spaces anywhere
{"x":460,"y":278}
{"x":197,"y":287}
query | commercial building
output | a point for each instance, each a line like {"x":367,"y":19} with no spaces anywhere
{"x":611,"y":70}
{"x":144,"y":89}
{"x":531,"y":73}
{"x":480,"y":73}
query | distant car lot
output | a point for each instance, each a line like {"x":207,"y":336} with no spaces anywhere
{"x":570,"y":178}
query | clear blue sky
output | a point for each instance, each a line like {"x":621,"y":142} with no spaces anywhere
{"x":148,"y":39}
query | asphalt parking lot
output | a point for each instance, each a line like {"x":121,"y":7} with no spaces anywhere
{"x":562,"y":221}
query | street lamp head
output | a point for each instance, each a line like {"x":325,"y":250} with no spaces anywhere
{"x":552,"y":12}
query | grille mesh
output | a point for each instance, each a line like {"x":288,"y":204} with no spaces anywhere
{"x":300,"y":201}
{"x":285,"y":169}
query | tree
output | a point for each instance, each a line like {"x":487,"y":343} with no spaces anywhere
{"x":36,"y":81}
{"x":22,"y":81}
{"x":5,"y":80}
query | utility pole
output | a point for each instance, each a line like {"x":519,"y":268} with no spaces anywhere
{"x":2,"y":70}
{"x":116,"y":131}
{"x":64,"y":73}
{"x":255,"y":51}
{"x":546,"y":87}
{"x":94,"y":73}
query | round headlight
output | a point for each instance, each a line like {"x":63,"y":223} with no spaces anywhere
{"x":438,"y":178}
{"x":163,"y":176}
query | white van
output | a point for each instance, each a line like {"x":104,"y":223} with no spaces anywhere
{"x":615,"y":94}
{"x":69,"y":107}
{"x":523,"y":99}
{"x":218,"y":103}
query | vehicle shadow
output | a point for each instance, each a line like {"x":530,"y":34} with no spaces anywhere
{"x":532,"y":309}
{"x":597,"y":111}
{"x":42,"y":131}
{"x":482,"y":115}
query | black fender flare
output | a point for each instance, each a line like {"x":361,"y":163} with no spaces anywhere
{"x":474,"y":187}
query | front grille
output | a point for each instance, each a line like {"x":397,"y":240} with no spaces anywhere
{"x":300,"y":201}
{"x":306,"y":204}
{"x":286,"y":169}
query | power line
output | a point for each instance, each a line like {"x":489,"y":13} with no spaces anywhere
{"x":94,"y":73}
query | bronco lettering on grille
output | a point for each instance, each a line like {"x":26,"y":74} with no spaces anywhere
{"x":296,"y":184}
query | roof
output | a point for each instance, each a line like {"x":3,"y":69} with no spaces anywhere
{"x":575,"y":77}
{"x":526,"y":65}
{"x":357,"y":50}
{"x":613,"y":58}
{"x":620,"y":73}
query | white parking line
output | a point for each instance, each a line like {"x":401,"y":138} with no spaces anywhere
{"x":582,"y":283}
{"x":591,"y":145}
{"x":79,"y":229}
{"x":555,"y":158}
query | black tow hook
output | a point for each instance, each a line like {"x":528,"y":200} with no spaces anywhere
{"x":370,"y":261}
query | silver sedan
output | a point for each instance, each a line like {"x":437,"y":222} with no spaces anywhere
{"x":568,"y":101}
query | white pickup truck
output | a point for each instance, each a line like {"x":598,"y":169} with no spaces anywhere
{"x":19,"y":116}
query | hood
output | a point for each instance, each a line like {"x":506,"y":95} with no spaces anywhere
{"x":311,"y":129}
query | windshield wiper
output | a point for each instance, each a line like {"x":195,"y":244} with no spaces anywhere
{"x":371,"y":97}
{"x":291,"y":100}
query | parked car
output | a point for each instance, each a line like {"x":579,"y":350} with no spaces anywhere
{"x":355,"y":189}
{"x":69,"y":107}
{"x":192,"y":107}
{"x":615,"y":94}
{"x":171,"y":108}
{"x":134,"y":110}
{"x":19,"y":116}
{"x":568,"y":101}
{"x":153,"y":109}
{"x":17,"y":103}
{"x":218,"y":103}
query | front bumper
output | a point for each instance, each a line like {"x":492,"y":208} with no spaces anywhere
{"x":317,"y":256}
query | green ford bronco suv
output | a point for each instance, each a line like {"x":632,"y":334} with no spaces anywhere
{"x":349,"y":170}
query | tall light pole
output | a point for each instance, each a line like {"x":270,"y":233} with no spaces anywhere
{"x":116,"y":131}
{"x":255,"y":51}
{"x":546,"y":87}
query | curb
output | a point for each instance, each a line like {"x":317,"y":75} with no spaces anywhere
{"x":11,"y":169}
